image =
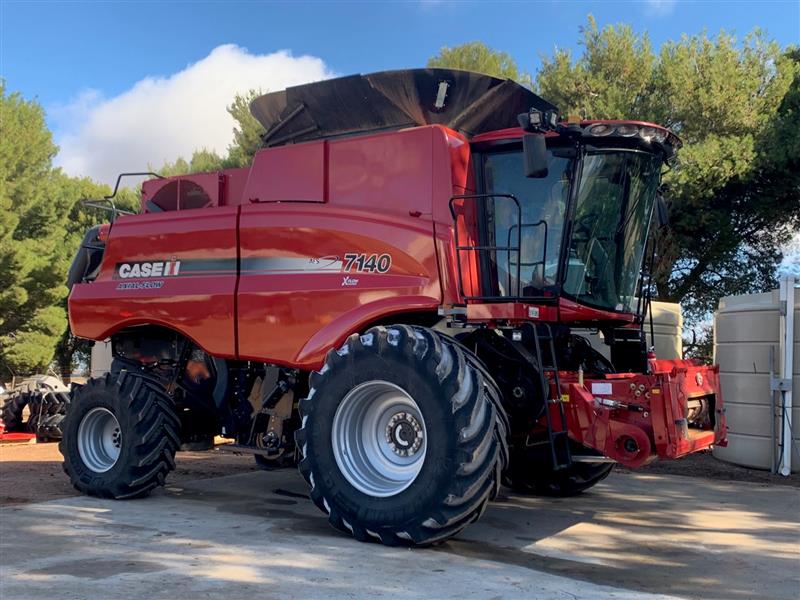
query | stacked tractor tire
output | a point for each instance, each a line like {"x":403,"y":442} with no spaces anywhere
{"x":38,"y":405}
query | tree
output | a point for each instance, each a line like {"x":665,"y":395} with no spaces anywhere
{"x":30,"y":278}
{"x":247,"y":132}
{"x":612,"y":78}
{"x":202,"y":161}
{"x":734,"y":189}
{"x":477,"y":56}
{"x":735,"y":192}
{"x":41,"y":225}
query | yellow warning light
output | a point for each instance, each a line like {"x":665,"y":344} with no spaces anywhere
{"x":573,"y":119}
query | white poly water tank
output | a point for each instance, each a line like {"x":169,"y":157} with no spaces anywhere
{"x":746,"y":338}
{"x":667,"y":329}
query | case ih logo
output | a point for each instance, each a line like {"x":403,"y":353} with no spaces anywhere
{"x":140,"y":270}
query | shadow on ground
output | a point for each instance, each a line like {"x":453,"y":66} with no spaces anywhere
{"x":257,"y":533}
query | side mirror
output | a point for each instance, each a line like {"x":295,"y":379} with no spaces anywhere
{"x":535,"y":155}
{"x":662,"y":211}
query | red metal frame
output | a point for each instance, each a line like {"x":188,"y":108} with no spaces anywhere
{"x":262,"y":273}
{"x":651,"y":411}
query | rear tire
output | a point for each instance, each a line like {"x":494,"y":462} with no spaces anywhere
{"x":380,"y":400}
{"x":531,"y":474}
{"x":265,"y":464}
{"x":120,"y":436}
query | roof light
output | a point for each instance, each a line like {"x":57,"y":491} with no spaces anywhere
{"x":626,"y":130}
{"x":653,"y":134}
{"x":537,"y":121}
{"x":600,"y":129}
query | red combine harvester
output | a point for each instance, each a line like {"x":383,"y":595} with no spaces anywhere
{"x":388,"y":298}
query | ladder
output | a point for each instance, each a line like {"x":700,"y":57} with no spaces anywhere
{"x":556,"y":419}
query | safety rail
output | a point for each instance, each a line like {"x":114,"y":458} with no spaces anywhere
{"x":478,"y":249}
{"x":513,"y":250}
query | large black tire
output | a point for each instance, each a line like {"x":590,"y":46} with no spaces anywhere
{"x":531,"y":473}
{"x":148,"y":432}
{"x":12,"y":411}
{"x":466,"y":446}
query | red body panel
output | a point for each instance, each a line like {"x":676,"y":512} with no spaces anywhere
{"x":288,"y":173}
{"x":198,"y":304}
{"x":263,"y":270}
{"x":295,"y":305}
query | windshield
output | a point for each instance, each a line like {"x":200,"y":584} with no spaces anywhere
{"x":537,"y":225}
{"x":611,"y":218}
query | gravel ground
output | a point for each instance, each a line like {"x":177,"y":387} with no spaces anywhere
{"x":703,"y":464}
{"x":632,"y":537}
{"x":32,"y":472}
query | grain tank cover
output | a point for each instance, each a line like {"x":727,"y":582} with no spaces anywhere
{"x":468,"y":102}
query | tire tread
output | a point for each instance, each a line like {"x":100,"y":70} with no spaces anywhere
{"x":482,"y":450}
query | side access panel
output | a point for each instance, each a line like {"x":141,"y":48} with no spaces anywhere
{"x":176,"y":269}
{"x":312,"y":274}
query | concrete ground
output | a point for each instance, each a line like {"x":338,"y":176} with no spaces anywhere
{"x":256,"y":535}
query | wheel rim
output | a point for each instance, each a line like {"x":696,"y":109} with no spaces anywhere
{"x":379,"y":438}
{"x":99,"y":440}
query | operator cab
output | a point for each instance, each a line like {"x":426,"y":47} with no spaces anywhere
{"x":577,"y":229}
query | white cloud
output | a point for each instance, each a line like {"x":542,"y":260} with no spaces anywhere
{"x":659,"y":8}
{"x":161,"y":118}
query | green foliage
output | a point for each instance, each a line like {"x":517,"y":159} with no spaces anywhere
{"x":30,"y":282}
{"x":202,"y":161}
{"x":734,"y":191}
{"x":41,"y":225}
{"x":247,"y":132}
{"x":477,"y":56}
{"x":612,"y":78}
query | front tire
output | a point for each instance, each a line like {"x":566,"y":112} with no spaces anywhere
{"x":120,"y":436}
{"x":401,"y":440}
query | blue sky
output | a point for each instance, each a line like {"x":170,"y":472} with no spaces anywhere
{"x":53,"y":50}
{"x":79,"y":58}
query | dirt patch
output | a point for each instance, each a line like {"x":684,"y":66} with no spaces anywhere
{"x":33,"y":473}
{"x":703,"y":464}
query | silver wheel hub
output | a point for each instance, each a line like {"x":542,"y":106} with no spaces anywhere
{"x":379,"y":438}
{"x":99,"y":440}
{"x":404,"y":434}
